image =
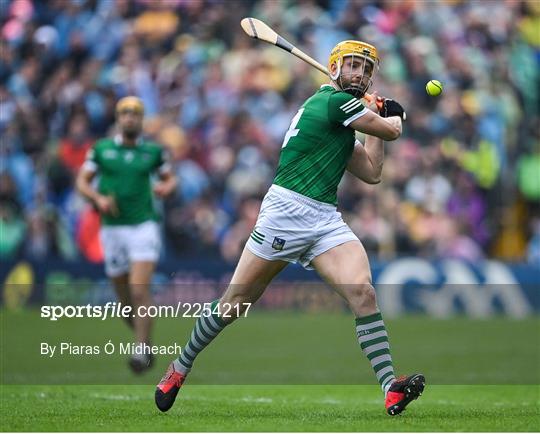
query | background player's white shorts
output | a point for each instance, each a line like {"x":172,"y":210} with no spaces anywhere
{"x":125,"y":244}
{"x":295,"y":228}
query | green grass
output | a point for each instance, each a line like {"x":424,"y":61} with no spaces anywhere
{"x":267,"y":408}
{"x":281,"y":348}
{"x":274,"y":371}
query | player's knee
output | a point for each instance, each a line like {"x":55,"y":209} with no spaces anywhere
{"x":238,"y":294}
{"x":361,"y":291}
{"x":140,"y":297}
{"x":361,"y":296}
{"x":369,"y":297}
{"x":233,"y":306}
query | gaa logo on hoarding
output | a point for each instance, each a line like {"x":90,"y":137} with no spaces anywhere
{"x":450,"y":287}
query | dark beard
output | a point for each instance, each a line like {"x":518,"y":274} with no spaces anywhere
{"x":357,"y":92}
{"x":130,"y":134}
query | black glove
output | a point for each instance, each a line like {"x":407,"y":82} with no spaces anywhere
{"x":392,"y":108}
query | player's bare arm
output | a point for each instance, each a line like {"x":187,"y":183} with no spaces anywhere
{"x":366,"y":161}
{"x":105,"y":204}
{"x":374,"y":125}
{"x":166,"y":185}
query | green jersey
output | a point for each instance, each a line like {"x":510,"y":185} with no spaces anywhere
{"x":318,"y":144}
{"x":124,"y":172}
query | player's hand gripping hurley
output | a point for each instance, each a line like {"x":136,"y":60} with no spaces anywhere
{"x":258,"y":30}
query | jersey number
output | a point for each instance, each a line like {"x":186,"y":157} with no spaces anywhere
{"x":292,"y":131}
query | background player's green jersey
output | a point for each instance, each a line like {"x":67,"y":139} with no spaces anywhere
{"x":124,"y":172}
{"x":318,"y":144}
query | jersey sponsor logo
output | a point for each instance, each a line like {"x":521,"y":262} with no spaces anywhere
{"x":128,"y":157}
{"x":110,"y":154}
{"x":350,"y":105}
{"x":278,"y":243}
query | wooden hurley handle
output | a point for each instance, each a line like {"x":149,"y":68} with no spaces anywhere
{"x":258,"y":30}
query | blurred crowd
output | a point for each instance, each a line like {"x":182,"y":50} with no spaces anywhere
{"x":462,"y":182}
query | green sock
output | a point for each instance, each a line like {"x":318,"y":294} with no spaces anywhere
{"x":205,"y":330}
{"x":373,"y":340}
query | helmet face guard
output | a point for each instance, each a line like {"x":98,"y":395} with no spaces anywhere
{"x":347,"y":73}
{"x":361,"y":55}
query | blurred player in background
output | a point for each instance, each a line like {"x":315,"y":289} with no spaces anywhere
{"x":129,"y":234}
{"x":298,"y":220}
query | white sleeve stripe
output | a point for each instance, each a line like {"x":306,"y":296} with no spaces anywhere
{"x":90,"y":166}
{"x":344,"y":106}
{"x":347,"y":122}
{"x":352,"y":107}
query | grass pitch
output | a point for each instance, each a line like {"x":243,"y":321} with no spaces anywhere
{"x":279,"y":348}
{"x":274,"y":371}
{"x":267,"y":408}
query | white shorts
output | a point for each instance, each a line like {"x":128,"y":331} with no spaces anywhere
{"x":131,"y":243}
{"x":295,"y":228}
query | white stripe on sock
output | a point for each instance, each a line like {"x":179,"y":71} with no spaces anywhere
{"x":387,"y":384}
{"x":189,"y":352}
{"x":200,"y":334}
{"x":388,"y":381}
{"x":380,"y":359}
{"x":370,"y":326}
{"x":376,"y":347}
{"x":371,"y":336}
{"x":214,"y":323}
{"x":194,"y":342}
{"x":384,"y":371}
{"x":207,"y":328}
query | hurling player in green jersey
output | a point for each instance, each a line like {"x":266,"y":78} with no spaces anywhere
{"x":129,"y":233}
{"x":299,"y":222}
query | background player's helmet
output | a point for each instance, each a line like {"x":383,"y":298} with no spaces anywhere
{"x":130,"y":103}
{"x":353,"y":48}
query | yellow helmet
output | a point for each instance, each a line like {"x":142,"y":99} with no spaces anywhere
{"x":130,"y":103}
{"x":352,"y":48}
